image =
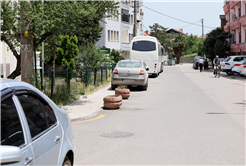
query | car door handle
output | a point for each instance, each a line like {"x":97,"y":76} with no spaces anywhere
{"x":29,"y":161}
{"x":57,"y":140}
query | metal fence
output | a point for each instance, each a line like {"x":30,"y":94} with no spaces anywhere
{"x":86,"y":77}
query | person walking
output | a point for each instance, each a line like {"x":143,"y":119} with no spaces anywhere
{"x":201,"y":62}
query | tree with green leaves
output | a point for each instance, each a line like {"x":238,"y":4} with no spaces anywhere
{"x":219,"y":48}
{"x":178,"y":46}
{"x":115,"y":56}
{"x":159,"y":32}
{"x":26,"y":24}
{"x":67,"y":51}
{"x":214,"y":36}
{"x":191,"y":42}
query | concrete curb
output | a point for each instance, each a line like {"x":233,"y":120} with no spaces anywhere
{"x":87,"y":117}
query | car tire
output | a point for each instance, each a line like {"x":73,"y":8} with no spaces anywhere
{"x":229,"y":73}
{"x":67,"y":162}
{"x":235,"y":74}
{"x":145,"y":87}
{"x":113,"y":86}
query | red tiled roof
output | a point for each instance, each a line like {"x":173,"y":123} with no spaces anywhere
{"x":177,"y":31}
{"x":200,"y":37}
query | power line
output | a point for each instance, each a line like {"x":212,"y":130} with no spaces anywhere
{"x":190,"y":24}
{"x":176,"y":18}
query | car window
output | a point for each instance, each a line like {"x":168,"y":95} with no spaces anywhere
{"x":227,"y":59}
{"x":11,"y":129}
{"x":144,"y":46}
{"x":35,"y":114}
{"x":129,"y":64}
{"x":238,"y":59}
{"x":49,"y":113}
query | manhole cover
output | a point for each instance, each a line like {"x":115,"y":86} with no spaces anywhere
{"x":117,"y":135}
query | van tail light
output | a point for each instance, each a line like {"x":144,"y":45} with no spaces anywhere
{"x":115,"y":71}
{"x":237,"y":65}
{"x":244,"y":66}
{"x":142,"y":72}
{"x":227,"y":63}
{"x":155,"y":65}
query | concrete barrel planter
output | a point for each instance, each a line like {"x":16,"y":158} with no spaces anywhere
{"x":125,"y":93}
{"x":112,"y":101}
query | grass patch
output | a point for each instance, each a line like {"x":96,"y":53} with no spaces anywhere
{"x":61,"y":94}
{"x":194,"y":54}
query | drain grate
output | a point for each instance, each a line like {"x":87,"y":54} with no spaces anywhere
{"x":117,"y":135}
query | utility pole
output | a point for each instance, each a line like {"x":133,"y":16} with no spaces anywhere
{"x":202,"y":30}
{"x":42,"y":60}
{"x":135,"y":19}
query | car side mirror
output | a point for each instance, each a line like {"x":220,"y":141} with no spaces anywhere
{"x":10,"y":154}
{"x":147,"y":68}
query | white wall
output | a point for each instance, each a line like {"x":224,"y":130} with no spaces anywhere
{"x":7,"y":61}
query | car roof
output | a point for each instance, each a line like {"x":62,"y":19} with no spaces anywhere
{"x":131,"y":60}
{"x":8,"y":83}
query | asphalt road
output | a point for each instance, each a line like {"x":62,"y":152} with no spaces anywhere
{"x":184,"y":118}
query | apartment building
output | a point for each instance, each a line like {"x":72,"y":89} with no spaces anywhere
{"x":118,"y":30}
{"x":235,"y":12}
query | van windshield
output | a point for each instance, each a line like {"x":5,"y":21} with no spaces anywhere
{"x":143,"y":46}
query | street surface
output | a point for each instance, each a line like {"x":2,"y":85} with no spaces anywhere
{"x":184,"y":118}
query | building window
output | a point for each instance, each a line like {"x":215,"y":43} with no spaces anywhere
{"x":129,"y":38}
{"x":239,"y":12}
{"x":112,"y":36}
{"x":239,"y":35}
{"x":141,"y":27}
{"x":131,"y":19}
{"x":112,"y":15}
{"x":125,"y":15}
{"x":117,"y":36}
{"x":117,"y":15}
{"x":109,"y":35}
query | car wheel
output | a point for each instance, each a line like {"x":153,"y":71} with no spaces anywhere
{"x":113,"y":86}
{"x":67,"y":162}
{"x":229,"y":73}
{"x":241,"y":75}
{"x":145,"y":87}
{"x":235,"y":74}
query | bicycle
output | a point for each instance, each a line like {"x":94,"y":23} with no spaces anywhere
{"x":217,"y":71}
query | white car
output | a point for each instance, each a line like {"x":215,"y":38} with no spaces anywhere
{"x":228,"y":63}
{"x":34,"y":130}
{"x":236,"y":67}
{"x":242,"y":71}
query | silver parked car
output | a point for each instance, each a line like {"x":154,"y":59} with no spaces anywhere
{"x":34,"y":130}
{"x":131,"y":73}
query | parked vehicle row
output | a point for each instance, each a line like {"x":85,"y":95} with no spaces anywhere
{"x":34,"y":130}
{"x":196,"y":62}
{"x":145,"y":59}
{"x":232,"y":65}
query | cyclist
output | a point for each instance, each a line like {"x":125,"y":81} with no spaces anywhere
{"x":217,"y":62}
{"x":201,"y":63}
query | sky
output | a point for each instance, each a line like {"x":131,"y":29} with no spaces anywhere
{"x":187,"y":10}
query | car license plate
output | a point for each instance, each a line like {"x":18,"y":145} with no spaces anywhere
{"x":127,"y":80}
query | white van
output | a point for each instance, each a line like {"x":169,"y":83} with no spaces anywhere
{"x":149,"y":50}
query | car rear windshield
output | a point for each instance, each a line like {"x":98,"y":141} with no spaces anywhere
{"x":227,"y":59}
{"x":143,"y":46}
{"x":238,"y":59}
{"x":130,"y":64}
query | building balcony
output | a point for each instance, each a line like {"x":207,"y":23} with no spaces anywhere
{"x":243,"y":47}
{"x":235,"y":48}
{"x":233,"y":3}
{"x":236,"y":24}
{"x":227,"y":28}
{"x":226,"y":8}
{"x":243,"y":20}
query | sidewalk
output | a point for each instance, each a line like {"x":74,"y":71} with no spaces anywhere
{"x":85,"y":108}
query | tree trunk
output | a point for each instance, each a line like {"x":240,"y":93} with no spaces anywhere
{"x":26,"y":52}
{"x":17,"y":70}
{"x":54,"y":64}
{"x":178,"y":54}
